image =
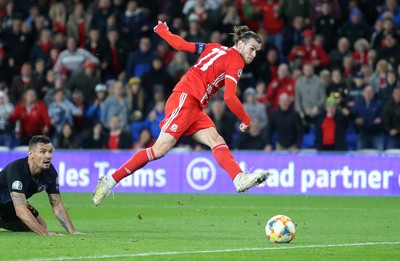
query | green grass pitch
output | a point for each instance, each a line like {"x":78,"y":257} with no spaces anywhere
{"x":212,"y":227}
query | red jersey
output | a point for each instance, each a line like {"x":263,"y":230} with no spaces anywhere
{"x":208,"y":75}
{"x":309,"y":54}
{"x":279,"y":86}
{"x":33,"y":119}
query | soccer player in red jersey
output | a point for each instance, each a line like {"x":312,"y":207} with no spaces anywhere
{"x":217,"y":66}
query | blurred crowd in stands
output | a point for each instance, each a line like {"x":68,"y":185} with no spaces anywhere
{"x":94,"y":75}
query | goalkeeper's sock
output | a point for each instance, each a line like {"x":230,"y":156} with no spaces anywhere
{"x":137,"y":161}
{"x":224,"y":158}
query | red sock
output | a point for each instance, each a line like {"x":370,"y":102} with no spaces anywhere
{"x":224,"y":157}
{"x":137,"y":161}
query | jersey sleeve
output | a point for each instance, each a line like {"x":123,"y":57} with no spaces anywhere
{"x":16,"y":183}
{"x":233,"y":72}
{"x":234,"y":68}
{"x":53,"y":187}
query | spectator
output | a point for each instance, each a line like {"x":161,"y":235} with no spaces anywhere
{"x":41,"y":49}
{"x":8,"y":16}
{"x":367,"y":112}
{"x":152,"y":122}
{"x":93,"y":113}
{"x":139,"y":61}
{"x":72,"y":59}
{"x":289,"y":9}
{"x":273,"y":23}
{"x":116,"y":58}
{"x":195,"y":33}
{"x":391,"y":51}
{"x":267,"y":68}
{"x":327,"y":24}
{"x":21,"y":82}
{"x":391,"y":120}
{"x":39,"y":72}
{"x":97,"y":139}
{"x":386,"y":91}
{"x":80,"y":122}
{"x":136,"y":99}
{"x":356,"y":88}
{"x":156,"y":80}
{"x":325,"y":76}
{"x":5,"y":69}
{"x":32,"y":115}
{"x":387,"y":28}
{"x":336,"y":56}
{"x":97,"y":46}
{"x":204,"y":11}
{"x":163,"y":50}
{"x":18,"y":44}
{"x":348,"y":68}
{"x":255,"y":110}
{"x":54,"y":83}
{"x":378,"y":78}
{"x":360,"y":54}
{"x":85,"y":81}
{"x":116,"y":105}
{"x":58,"y":16}
{"x":286,"y":124}
{"x":178,"y":66}
{"x":284,"y":83}
{"x":6,"y":110}
{"x":310,"y":94}
{"x":392,"y":8}
{"x":355,"y":28}
{"x":30,"y":19}
{"x":309,"y":53}
{"x":261,"y":93}
{"x":78,"y":24}
{"x":252,"y":140}
{"x":117,"y":137}
{"x":100,"y":15}
{"x":61,"y":112}
{"x":293,"y":35}
{"x":66,"y":139}
{"x":223,"y":120}
{"x":331,"y":126}
{"x":133,"y":22}
{"x":230,"y":19}
{"x":372,"y":60}
{"x":334,"y":6}
{"x":338,"y":89}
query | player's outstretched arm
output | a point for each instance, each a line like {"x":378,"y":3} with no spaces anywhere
{"x":61,"y":213}
{"x":23,"y":213}
{"x":234,"y":104}
{"x":174,"y":40}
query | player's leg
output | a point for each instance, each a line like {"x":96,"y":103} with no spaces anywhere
{"x":164,"y":143}
{"x":224,"y":158}
{"x":175,"y":123}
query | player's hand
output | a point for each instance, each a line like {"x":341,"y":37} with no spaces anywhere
{"x":244,"y":128}
{"x":160,"y":26}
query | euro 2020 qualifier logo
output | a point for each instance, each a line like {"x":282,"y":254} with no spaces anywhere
{"x":201,"y":173}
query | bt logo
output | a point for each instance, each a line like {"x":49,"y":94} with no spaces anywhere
{"x":201,"y":173}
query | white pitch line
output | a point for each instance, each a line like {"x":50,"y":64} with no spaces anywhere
{"x":281,"y":247}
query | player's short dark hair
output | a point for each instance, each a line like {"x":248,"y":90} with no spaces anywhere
{"x":244,"y":33}
{"x":38,"y":139}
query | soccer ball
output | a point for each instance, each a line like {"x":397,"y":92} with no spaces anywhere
{"x":280,"y":229}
